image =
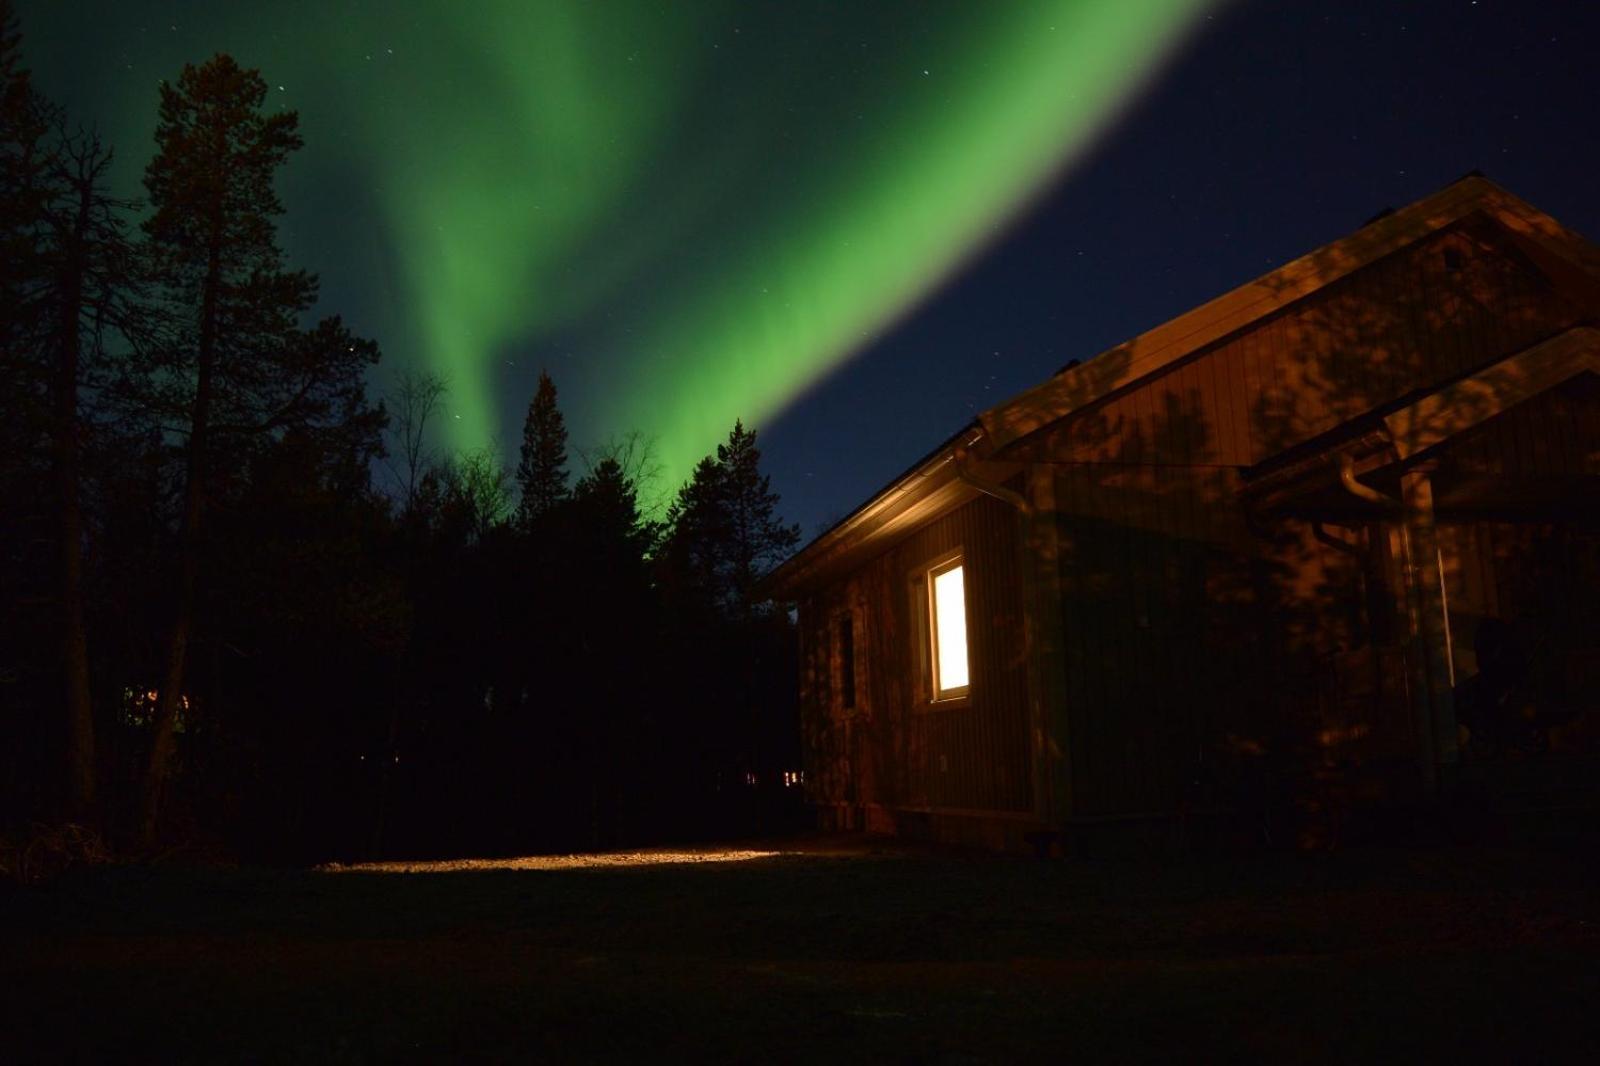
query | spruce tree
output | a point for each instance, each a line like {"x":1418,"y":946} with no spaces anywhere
{"x":607,"y":517}
{"x":724,"y":535}
{"x":542,"y":473}
{"x":758,"y":540}
{"x":724,"y":532}
{"x":609,"y":608}
{"x":696,"y":543}
{"x":238,"y":369}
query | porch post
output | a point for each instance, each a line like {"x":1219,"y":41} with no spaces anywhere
{"x":1436,"y":725}
{"x":1045,"y":635}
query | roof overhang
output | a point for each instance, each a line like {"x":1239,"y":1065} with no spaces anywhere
{"x":953,"y":474}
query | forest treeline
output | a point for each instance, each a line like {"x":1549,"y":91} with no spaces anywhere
{"x":247,"y":608}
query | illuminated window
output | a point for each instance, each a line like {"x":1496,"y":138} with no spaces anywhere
{"x":947,"y":629}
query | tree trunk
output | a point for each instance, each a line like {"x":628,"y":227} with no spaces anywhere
{"x":69,"y":515}
{"x":171,"y":694}
{"x":375,"y":849}
{"x":170,"y":697}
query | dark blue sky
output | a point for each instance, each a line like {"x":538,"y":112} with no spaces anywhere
{"x":1280,"y":127}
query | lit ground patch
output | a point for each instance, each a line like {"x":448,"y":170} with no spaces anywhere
{"x":580,"y":861}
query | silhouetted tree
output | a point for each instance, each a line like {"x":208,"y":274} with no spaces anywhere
{"x":238,"y":367}
{"x":25,"y":119}
{"x":306,"y":627}
{"x":724,"y":532}
{"x":479,"y":488}
{"x":364,"y":674}
{"x":542,"y":473}
{"x":69,"y":284}
{"x":728,"y":648}
{"x":416,"y":398}
{"x":614,"y":616}
{"x":93,"y":291}
{"x":758,"y":539}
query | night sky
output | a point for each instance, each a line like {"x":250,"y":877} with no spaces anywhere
{"x":853,"y":224}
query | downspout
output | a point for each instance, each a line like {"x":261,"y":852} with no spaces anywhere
{"x":1417,"y":597}
{"x":1347,"y":478}
{"x":1016,"y":499}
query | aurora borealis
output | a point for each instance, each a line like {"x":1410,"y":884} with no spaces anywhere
{"x":696,"y":211}
{"x":688,"y":212}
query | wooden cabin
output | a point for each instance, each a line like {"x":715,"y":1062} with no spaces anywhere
{"x":1333,"y":533}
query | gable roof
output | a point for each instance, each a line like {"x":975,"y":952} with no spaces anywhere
{"x":1574,"y":260}
{"x":945,"y":478}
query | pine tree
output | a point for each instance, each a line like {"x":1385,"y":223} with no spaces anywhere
{"x":25,"y":121}
{"x":238,"y":369}
{"x":695,"y":549}
{"x":542,"y":473}
{"x":758,"y":540}
{"x":92,"y":290}
{"x":70,"y":285}
{"x":724,"y":530}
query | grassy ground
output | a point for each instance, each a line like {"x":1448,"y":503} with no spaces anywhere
{"x":823,"y":951}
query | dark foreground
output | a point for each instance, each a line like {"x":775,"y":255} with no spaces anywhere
{"x":825,"y":951}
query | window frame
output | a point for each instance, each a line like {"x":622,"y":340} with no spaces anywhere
{"x":926,"y":605}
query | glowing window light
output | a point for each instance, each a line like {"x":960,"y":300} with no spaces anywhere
{"x":949,"y":608}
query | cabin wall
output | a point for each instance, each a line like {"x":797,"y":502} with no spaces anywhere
{"x":1535,"y":584}
{"x":1519,"y":541}
{"x":1209,"y":651}
{"x":1205,"y":654}
{"x":893,"y":754}
{"x":1550,"y":439}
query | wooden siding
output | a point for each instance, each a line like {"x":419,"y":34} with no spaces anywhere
{"x":1201,"y":647}
{"x":1200,"y":652}
{"x":1541,"y":579}
{"x":1421,"y":317}
{"x":893,"y":750}
{"x":1202,"y":656}
{"x":1555,"y":435}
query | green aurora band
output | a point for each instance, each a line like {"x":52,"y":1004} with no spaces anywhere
{"x":690,"y":212}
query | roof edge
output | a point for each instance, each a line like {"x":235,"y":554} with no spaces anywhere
{"x":875,"y":512}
